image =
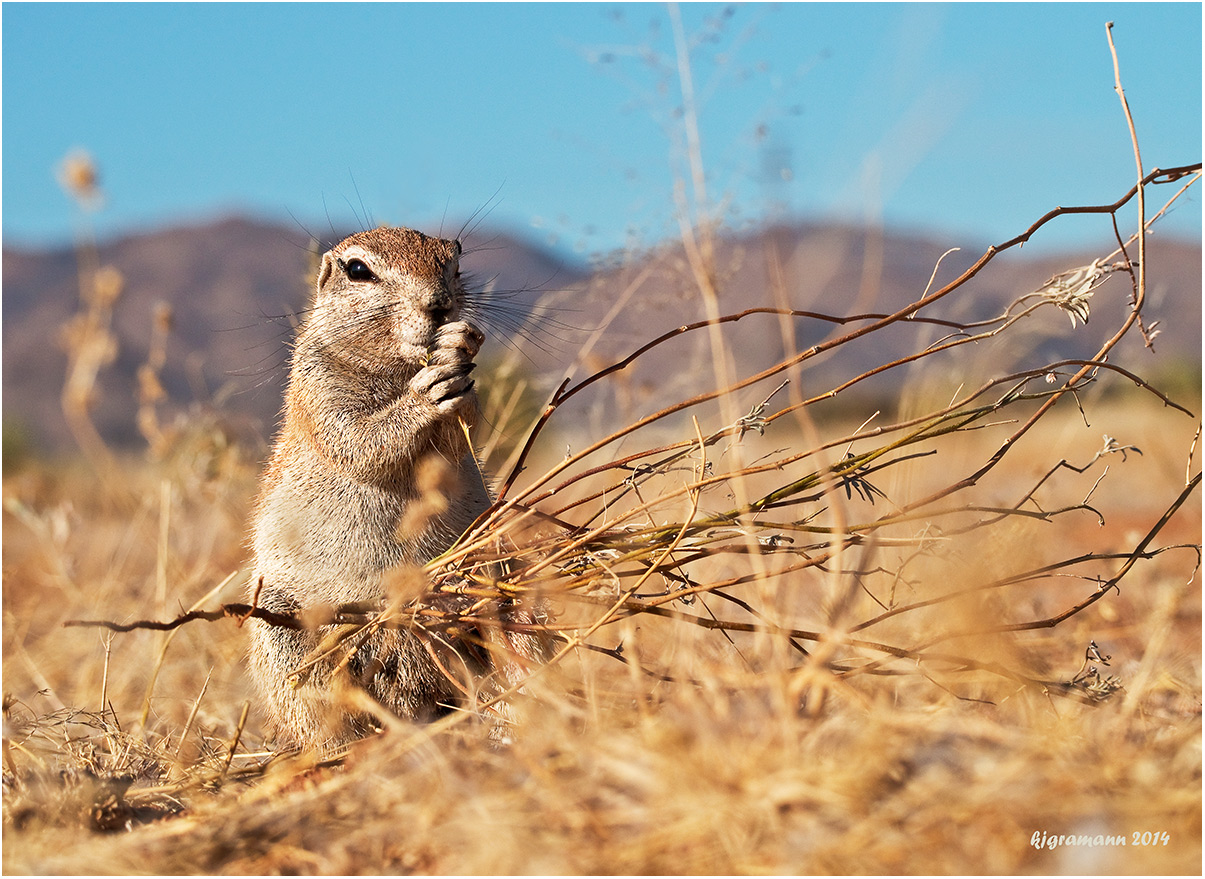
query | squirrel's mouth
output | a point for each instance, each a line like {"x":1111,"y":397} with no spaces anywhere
{"x":408,"y":345}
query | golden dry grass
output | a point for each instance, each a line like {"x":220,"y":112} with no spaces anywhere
{"x":789,"y":769}
{"x":871,"y":693}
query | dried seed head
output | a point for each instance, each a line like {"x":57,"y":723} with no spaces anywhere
{"x":163,"y":317}
{"x":1071,"y":290}
{"x":405,"y":584}
{"x":436,"y":482}
{"x":107,"y":285}
{"x":150,"y":389}
{"x":78,"y":177}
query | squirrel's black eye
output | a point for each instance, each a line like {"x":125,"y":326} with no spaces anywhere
{"x":358,"y":270}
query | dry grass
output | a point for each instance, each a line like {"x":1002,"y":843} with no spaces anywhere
{"x":680,"y":748}
{"x":784,"y":768}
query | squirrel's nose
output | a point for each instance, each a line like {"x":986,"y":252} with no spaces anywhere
{"x":439,"y":305}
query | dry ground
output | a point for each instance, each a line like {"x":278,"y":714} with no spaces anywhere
{"x":759,"y":764}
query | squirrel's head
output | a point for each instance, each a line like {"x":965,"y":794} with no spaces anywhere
{"x":383,"y":294}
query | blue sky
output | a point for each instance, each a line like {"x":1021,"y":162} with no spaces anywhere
{"x":966,"y":120}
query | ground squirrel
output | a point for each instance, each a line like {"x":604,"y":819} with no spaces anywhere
{"x":379,"y":384}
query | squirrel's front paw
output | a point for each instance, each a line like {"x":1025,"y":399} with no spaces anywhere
{"x":445,"y":381}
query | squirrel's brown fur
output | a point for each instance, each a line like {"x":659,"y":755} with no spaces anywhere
{"x":378,"y":385}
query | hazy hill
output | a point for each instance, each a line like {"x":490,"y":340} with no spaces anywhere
{"x":234,"y":286}
{"x":838,"y":270}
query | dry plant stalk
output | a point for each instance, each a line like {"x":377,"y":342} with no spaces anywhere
{"x":579,"y":530}
{"x":595,"y":533}
{"x":88,"y":337}
{"x":150,"y":389}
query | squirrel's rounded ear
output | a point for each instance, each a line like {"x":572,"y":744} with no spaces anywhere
{"x":324,"y":271}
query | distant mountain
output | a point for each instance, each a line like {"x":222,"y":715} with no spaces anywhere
{"x":236,"y":285}
{"x":841,"y":270}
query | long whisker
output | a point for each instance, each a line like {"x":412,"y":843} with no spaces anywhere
{"x":475,"y":219}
